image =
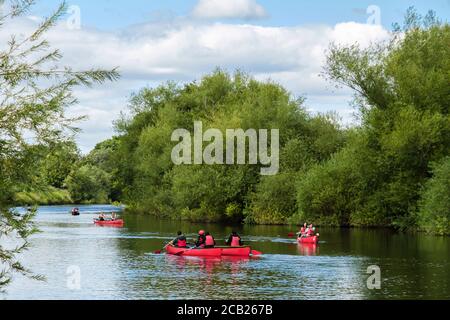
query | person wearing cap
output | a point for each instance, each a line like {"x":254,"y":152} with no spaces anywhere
{"x":201,"y":239}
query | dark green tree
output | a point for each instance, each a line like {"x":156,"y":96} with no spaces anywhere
{"x":434,"y":206}
{"x":88,"y":184}
{"x":58,"y":162}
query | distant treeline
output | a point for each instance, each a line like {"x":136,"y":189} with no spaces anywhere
{"x":391,"y":169}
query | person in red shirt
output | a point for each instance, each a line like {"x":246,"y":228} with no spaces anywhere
{"x":209,"y":240}
{"x":310,"y":232}
{"x":302,"y":232}
{"x":180,"y":241}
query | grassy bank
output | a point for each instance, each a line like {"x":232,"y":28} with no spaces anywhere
{"x":49,"y":196}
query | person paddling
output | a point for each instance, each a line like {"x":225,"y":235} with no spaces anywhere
{"x":310,"y":232}
{"x":209,"y":240}
{"x":180,"y":240}
{"x":201,"y":239}
{"x":234,"y":240}
{"x":101,"y":217}
{"x":302,"y":231}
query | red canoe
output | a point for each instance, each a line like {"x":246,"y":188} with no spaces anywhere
{"x":236,"y":251}
{"x":194,"y":252}
{"x":313,"y":240}
{"x":117,"y":222}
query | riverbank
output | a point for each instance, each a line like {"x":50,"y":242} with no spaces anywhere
{"x":293,"y":221}
{"x":48,"y":196}
{"x":53,"y":196}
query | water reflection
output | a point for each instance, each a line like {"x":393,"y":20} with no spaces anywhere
{"x":208,"y":264}
{"x":308,"y":249}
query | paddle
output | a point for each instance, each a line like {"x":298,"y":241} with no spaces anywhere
{"x":160,"y":251}
{"x":256,"y":253}
{"x":291,"y":234}
{"x":176,"y":254}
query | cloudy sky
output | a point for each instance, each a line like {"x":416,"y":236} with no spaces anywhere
{"x":155,"y":41}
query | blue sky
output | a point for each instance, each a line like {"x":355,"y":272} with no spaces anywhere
{"x":113,"y":14}
{"x":181,"y":40}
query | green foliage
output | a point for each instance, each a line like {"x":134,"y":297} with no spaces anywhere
{"x":20,"y":227}
{"x":57,"y":163}
{"x":211,"y":193}
{"x":35,"y":90}
{"x":104,"y":157}
{"x":208,"y":189}
{"x":434,"y":208}
{"x":88,"y":184}
{"x":273,"y":201}
{"x":43,"y":196}
{"x":233,"y":211}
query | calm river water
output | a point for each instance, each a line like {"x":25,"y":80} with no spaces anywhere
{"x":119,"y":263}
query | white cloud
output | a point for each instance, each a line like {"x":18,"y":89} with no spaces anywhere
{"x":229,"y":9}
{"x":183,"y":51}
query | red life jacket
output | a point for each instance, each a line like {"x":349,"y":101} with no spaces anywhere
{"x":235,"y":241}
{"x":310,"y":232}
{"x":181,"y":243}
{"x":302,"y":230}
{"x":209,"y":241}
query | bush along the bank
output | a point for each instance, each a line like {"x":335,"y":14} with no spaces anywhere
{"x":434,"y":206}
{"x":43,"y":196}
{"x":88,"y":184}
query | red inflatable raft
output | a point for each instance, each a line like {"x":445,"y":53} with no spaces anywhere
{"x":236,"y":251}
{"x":245,"y":251}
{"x":313,"y":240}
{"x":116,"y":223}
{"x":194,"y":252}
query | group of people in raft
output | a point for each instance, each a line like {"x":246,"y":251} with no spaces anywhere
{"x":102,"y":217}
{"x":307,"y":231}
{"x":206,"y":240}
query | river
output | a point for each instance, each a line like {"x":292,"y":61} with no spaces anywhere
{"x":84,"y":261}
